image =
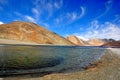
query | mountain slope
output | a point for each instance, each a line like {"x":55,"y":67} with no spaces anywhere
{"x":30,"y":32}
{"x":76,"y":40}
{"x":96,"y":42}
{"x":113,"y":43}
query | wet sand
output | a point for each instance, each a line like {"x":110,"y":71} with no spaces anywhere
{"x":106,"y":68}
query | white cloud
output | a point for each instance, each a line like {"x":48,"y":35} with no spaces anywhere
{"x":47,"y":8}
{"x":73,"y":16}
{"x":1,"y":22}
{"x":76,"y":15}
{"x":117,"y":19}
{"x":36,"y":12}
{"x":108,"y":6}
{"x":105,"y":30}
{"x":70,"y":17}
{"x":24,"y":17}
{"x":29,"y":18}
{"x":46,"y":25}
{"x":94,"y":24}
{"x":82,"y":12}
{"x":83,"y":38}
{"x":18,"y":14}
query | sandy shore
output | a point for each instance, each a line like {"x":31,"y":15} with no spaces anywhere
{"x":115,"y":50}
{"x":14,"y":42}
{"x":107,"y":68}
{"x":6,"y":41}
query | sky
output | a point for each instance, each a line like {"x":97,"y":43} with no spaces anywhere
{"x":84,"y":18}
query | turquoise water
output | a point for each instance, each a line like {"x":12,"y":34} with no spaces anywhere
{"x":19,"y":59}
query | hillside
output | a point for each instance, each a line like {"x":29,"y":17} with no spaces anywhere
{"x":30,"y":32}
{"x":92,"y":42}
{"x":96,"y":42}
{"x":113,"y":43}
{"x":76,"y":40}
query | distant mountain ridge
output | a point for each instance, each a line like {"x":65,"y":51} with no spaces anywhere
{"x":93,"y":42}
{"x":112,"y":43}
{"x":30,"y":32}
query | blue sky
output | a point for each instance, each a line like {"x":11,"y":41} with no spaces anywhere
{"x":83,"y":18}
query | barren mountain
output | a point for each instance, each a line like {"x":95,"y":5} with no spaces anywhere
{"x":93,"y":42}
{"x":76,"y":40}
{"x":96,"y":42}
{"x":112,"y":43}
{"x":80,"y":42}
{"x":30,"y":32}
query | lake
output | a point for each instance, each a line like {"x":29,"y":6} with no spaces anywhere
{"x":28,"y":59}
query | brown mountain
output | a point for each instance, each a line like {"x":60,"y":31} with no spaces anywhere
{"x":93,"y":42}
{"x":76,"y":40}
{"x":96,"y":42}
{"x":30,"y":32}
{"x":80,"y":42}
{"x":112,"y":43}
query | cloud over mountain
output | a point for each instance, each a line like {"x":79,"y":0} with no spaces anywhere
{"x":105,"y":30}
{"x":1,"y":22}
